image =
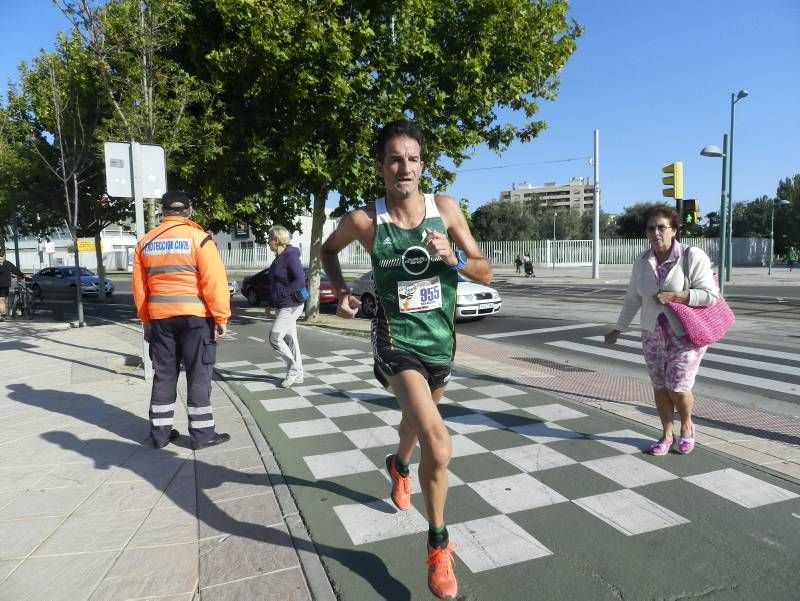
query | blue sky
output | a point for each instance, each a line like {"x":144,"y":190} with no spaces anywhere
{"x":654,"y":77}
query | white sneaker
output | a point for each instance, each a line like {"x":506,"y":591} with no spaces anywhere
{"x":291,"y":380}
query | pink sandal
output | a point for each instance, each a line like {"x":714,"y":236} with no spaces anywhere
{"x":686,"y":443}
{"x":661,"y":447}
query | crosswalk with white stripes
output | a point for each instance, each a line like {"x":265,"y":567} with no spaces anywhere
{"x":745,"y":365}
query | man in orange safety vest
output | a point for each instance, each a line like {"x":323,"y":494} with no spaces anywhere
{"x":181,"y":294}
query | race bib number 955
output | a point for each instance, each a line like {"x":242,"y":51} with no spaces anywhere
{"x":419,"y":295}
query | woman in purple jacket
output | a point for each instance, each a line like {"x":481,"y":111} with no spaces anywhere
{"x":286,"y":277}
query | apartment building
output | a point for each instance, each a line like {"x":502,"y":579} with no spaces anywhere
{"x":577,"y":195}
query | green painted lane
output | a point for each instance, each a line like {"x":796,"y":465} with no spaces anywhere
{"x":538,"y":509}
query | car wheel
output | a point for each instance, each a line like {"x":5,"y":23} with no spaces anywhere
{"x":369,"y":306}
{"x":252,"y":298}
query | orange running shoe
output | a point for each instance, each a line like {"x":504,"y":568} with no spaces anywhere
{"x":401,"y":485}
{"x":441,"y":579}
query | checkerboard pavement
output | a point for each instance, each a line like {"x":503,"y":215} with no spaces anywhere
{"x":523,"y":462}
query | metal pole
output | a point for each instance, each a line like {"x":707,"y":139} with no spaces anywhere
{"x":723,"y":216}
{"x":554,"y":239}
{"x":596,"y":209}
{"x":15,"y":231}
{"x":771,"y":236}
{"x":729,"y":264}
{"x":78,"y":285}
{"x":138,"y":200}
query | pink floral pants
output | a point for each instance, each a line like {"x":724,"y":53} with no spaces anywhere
{"x":671,"y":359}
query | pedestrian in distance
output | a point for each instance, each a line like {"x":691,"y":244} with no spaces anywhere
{"x":181,"y":294}
{"x":526,"y":261}
{"x":286,"y":278}
{"x":791,"y":257}
{"x":658,"y":278}
{"x":7,"y":269}
{"x":409,"y":236}
{"x":518,"y":263}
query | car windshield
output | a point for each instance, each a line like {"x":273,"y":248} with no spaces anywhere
{"x":71,"y":271}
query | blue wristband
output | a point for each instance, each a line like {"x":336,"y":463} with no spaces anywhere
{"x":462,"y":261}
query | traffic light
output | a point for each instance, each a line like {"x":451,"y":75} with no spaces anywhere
{"x":675,"y":180}
{"x":691,"y":211}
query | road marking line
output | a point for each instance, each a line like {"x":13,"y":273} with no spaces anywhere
{"x":738,"y":361}
{"x":135,"y":329}
{"x":261,"y":340}
{"x":707,"y":372}
{"x":591,"y":292}
{"x":763,"y":352}
{"x":737,"y":348}
{"x":539,"y":331}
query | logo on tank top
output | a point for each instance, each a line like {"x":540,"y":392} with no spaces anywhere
{"x":415,"y":260}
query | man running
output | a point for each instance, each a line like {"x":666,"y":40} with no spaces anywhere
{"x":408,"y":235}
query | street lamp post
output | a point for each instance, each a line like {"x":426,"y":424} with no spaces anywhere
{"x":713,"y":151}
{"x":555,"y":214}
{"x":779,"y":202}
{"x":734,"y":99}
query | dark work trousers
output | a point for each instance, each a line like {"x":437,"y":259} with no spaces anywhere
{"x":174,"y":340}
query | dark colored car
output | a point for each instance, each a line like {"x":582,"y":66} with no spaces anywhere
{"x":57,"y":280}
{"x":255,"y":288}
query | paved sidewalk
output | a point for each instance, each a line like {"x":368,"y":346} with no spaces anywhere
{"x":88,"y":510}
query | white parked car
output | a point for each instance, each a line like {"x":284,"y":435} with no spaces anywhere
{"x":472,"y":300}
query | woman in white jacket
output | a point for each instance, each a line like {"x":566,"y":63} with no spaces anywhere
{"x":659,"y":278}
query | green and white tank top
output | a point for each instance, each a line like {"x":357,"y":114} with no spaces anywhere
{"x":416,"y":292}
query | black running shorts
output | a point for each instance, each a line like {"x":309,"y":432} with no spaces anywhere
{"x":390,"y":363}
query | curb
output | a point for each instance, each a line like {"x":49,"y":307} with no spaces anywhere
{"x":316,"y":577}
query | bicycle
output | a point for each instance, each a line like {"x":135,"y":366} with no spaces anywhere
{"x":20,"y":300}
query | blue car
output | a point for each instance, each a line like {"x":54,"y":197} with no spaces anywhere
{"x":57,"y":281}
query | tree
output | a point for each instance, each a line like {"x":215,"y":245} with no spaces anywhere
{"x":787,"y":218}
{"x":630,"y":223}
{"x":59,"y":109}
{"x":567,"y":224}
{"x":307,"y":83}
{"x":500,"y":220}
{"x":608,"y":226}
{"x":26,"y":186}
{"x":152,"y":97}
{"x":464,"y":206}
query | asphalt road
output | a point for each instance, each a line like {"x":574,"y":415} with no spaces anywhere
{"x":756,"y":365}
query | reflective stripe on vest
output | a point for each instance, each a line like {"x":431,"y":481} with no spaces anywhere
{"x":169,"y":298}
{"x":171,"y":269}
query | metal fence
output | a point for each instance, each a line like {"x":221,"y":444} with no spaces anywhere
{"x":746,"y":252}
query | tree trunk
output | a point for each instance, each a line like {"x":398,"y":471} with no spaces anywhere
{"x":314,"y":264}
{"x":101,"y":268}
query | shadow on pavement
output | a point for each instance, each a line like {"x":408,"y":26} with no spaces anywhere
{"x":107,"y":454}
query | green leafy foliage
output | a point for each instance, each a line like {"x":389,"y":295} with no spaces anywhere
{"x":631,"y":222}
{"x":306,"y":83}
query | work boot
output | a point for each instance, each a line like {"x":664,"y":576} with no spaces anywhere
{"x":219,"y":438}
{"x":173,"y":436}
